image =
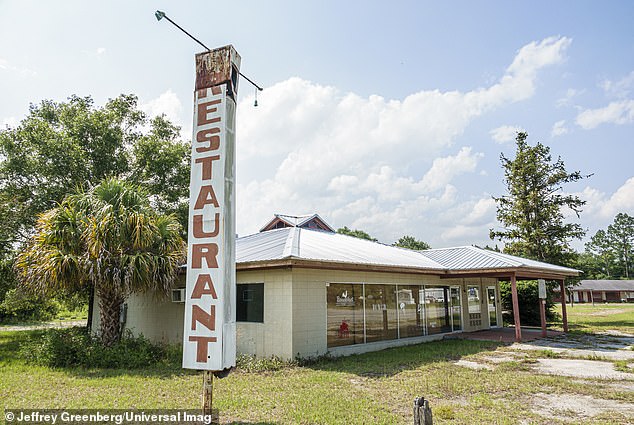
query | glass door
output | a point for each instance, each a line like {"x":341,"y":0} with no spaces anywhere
{"x":492,"y":302}
{"x":456,"y":309}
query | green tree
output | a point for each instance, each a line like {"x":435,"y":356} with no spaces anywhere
{"x":620,"y":236}
{"x":411,"y":242}
{"x":108,"y":237}
{"x":356,"y":233}
{"x":60,"y":147}
{"x":599,"y":261}
{"x":532,"y":212}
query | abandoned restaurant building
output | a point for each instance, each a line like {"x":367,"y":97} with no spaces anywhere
{"x":304,"y":290}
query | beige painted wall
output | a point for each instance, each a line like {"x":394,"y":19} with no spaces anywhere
{"x":295,"y":314}
{"x":157,"y":319}
{"x":274,"y":336}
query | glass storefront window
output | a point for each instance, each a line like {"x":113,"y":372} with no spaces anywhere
{"x":359,"y":313}
{"x":411,"y":311}
{"x":437,"y":306}
{"x":345,"y":314}
{"x":380,"y":313}
{"x":473,"y":294}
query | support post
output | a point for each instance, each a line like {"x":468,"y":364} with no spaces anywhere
{"x":516,"y":310}
{"x":542,"y":314}
{"x":208,"y":391}
{"x":564,"y":317}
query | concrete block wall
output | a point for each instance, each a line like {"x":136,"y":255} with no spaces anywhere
{"x":274,"y":335}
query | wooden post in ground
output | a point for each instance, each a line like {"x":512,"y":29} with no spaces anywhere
{"x":516,"y":310}
{"x":564,"y":317}
{"x":208,"y":391}
{"x":422,"y":412}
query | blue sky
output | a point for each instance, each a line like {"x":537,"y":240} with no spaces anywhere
{"x":389,"y":117}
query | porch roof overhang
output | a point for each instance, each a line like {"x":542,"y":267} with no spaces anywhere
{"x":501,"y":274}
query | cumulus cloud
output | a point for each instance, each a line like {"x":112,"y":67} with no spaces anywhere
{"x":22,"y":71}
{"x":559,"y":129}
{"x":443,"y":170}
{"x":505,"y":133}
{"x":167,"y":103}
{"x":570,"y":95}
{"x":620,"y":112}
{"x":384,"y":165}
{"x":620,"y":88}
{"x":605,"y":206}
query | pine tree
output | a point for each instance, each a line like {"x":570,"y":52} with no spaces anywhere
{"x":532,"y":212}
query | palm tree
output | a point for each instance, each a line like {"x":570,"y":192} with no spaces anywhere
{"x":110,"y":238}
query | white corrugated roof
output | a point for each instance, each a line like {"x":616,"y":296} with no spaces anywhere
{"x":474,"y":258}
{"x":310,"y":244}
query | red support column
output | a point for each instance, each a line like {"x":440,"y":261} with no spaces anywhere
{"x":516,"y":310}
{"x":564,"y":317}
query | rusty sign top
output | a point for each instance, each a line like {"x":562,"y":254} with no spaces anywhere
{"x":217,"y":67}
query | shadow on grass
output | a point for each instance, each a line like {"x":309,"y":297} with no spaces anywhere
{"x":391,"y":361}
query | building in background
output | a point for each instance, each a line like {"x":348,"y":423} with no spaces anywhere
{"x":600,"y":291}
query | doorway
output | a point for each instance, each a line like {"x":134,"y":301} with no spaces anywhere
{"x":492,"y":304}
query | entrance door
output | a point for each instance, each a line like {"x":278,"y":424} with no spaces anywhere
{"x":456,"y":309}
{"x":492,"y":303}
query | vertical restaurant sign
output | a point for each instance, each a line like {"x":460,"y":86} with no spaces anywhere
{"x":209,"y":336}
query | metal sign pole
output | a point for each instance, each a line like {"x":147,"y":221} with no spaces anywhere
{"x":542,"y":304}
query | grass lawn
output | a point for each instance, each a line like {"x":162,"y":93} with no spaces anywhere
{"x":373,"y":388}
{"x":600,"y":317}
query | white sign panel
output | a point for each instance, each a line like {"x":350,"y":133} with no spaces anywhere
{"x":209,"y":328}
{"x":541,"y":284}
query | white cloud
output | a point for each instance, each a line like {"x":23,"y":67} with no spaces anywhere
{"x":505,"y":133}
{"x":604,"y":206}
{"x":100,"y":51}
{"x":620,"y":112}
{"x":11,"y":122}
{"x":559,"y":129}
{"x":570,"y":95}
{"x":443,"y":170}
{"x":383,"y":165}
{"x":167,"y":103}
{"x":22,"y":71}
{"x":620,"y":88}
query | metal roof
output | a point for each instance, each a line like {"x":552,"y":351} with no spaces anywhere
{"x":317,"y":245}
{"x":309,"y":244}
{"x":475,"y":258}
{"x":604,"y":285}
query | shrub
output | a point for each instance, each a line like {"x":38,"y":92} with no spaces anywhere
{"x":528,"y":298}
{"x":248,"y":363}
{"x":20,"y":307}
{"x":75,"y":347}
